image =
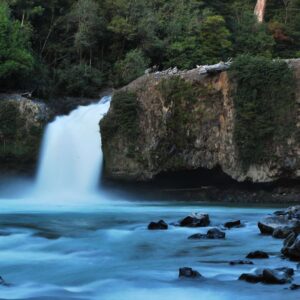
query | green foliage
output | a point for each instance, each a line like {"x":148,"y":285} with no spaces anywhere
{"x":16,"y":61}
{"x":124,"y":119}
{"x":214,"y":40}
{"x":252,"y":38}
{"x":130,"y":68}
{"x":79,"y":80}
{"x":264,"y":100}
{"x":120,"y":38}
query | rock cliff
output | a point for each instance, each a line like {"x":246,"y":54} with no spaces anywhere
{"x":169,"y":122}
{"x":22,"y":122}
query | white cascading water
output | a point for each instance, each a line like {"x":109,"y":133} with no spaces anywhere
{"x":71,"y":156}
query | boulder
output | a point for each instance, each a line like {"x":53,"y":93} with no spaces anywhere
{"x":215,"y":233}
{"x":22,"y":124}
{"x":291,"y":247}
{"x":195,"y":220}
{"x":269,"y":276}
{"x":257,"y":255}
{"x":160,"y":225}
{"x":277,"y":276}
{"x":188,"y":273}
{"x":3,"y":282}
{"x":232,"y":224}
{"x":241,"y":262}
{"x":281,"y":223}
{"x":252,"y":278}
{"x":211,"y":234}
{"x":282,"y":232}
{"x":295,"y":286}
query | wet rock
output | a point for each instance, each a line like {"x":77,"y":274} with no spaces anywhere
{"x":269,"y":276}
{"x":197,"y":236}
{"x":282,"y":232}
{"x":291,"y":247}
{"x":188,"y":273}
{"x":277,"y":276}
{"x":295,"y":286}
{"x":47,"y":235}
{"x":257,"y":255}
{"x":265,"y":229}
{"x":232,"y":224}
{"x":211,"y":234}
{"x":215,"y":233}
{"x":241,"y":262}
{"x":195,"y":220}
{"x":252,"y":278}
{"x":160,"y":225}
{"x":281,"y":223}
{"x":3,"y":282}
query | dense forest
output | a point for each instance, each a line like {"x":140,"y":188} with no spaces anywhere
{"x":68,"y":47}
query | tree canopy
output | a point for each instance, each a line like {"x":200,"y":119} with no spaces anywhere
{"x":80,"y":46}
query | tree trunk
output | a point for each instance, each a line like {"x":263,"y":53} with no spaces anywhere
{"x":260,"y":9}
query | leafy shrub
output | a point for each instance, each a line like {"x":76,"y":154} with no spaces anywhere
{"x":124,"y":118}
{"x":79,"y":80}
{"x":130,"y":68}
{"x":264,"y":101}
{"x":16,"y":61}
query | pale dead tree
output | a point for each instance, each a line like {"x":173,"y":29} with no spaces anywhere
{"x":260,"y":9}
{"x":286,"y":6}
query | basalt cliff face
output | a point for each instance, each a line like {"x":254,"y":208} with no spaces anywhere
{"x":185,"y":121}
{"x":22,"y":122}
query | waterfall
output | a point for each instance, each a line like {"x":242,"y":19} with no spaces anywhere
{"x":71,"y":156}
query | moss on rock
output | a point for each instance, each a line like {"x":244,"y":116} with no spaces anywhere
{"x":21,"y":131}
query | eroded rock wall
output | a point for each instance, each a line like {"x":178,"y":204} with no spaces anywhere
{"x":22,"y":123}
{"x":186,"y":121}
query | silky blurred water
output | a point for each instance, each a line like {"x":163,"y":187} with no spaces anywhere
{"x":98,"y":250}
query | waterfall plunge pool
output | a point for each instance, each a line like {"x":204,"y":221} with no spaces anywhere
{"x":68,"y":240}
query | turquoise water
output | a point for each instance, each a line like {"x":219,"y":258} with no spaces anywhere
{"x":97,"y":249}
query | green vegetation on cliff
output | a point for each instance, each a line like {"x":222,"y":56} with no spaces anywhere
{"x":264,"y":100}
{"x":180,"y":95}
{"x":124,"y":118}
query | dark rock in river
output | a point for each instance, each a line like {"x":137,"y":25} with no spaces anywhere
{"x":232,"y":224}
{"x":281,"y":223}
{"x":197,"y":236}
{"x":291,"y":247}
{"x":188,"y":273}
{"x":195,"y":220}
{"x":252,"y":278}
{"x":282,"y":232}
{"x":211,"y":234}
{"x":215,"y":233}
{"x":160,"y":225}
{"x":294,"y":287}
{"x":277,"y":276}
{"x":269,"y":276}
{"x":47,"y":235}
{"x":3,"y":282}
{"x":241,"y":262}
{"x":257,"y":255}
